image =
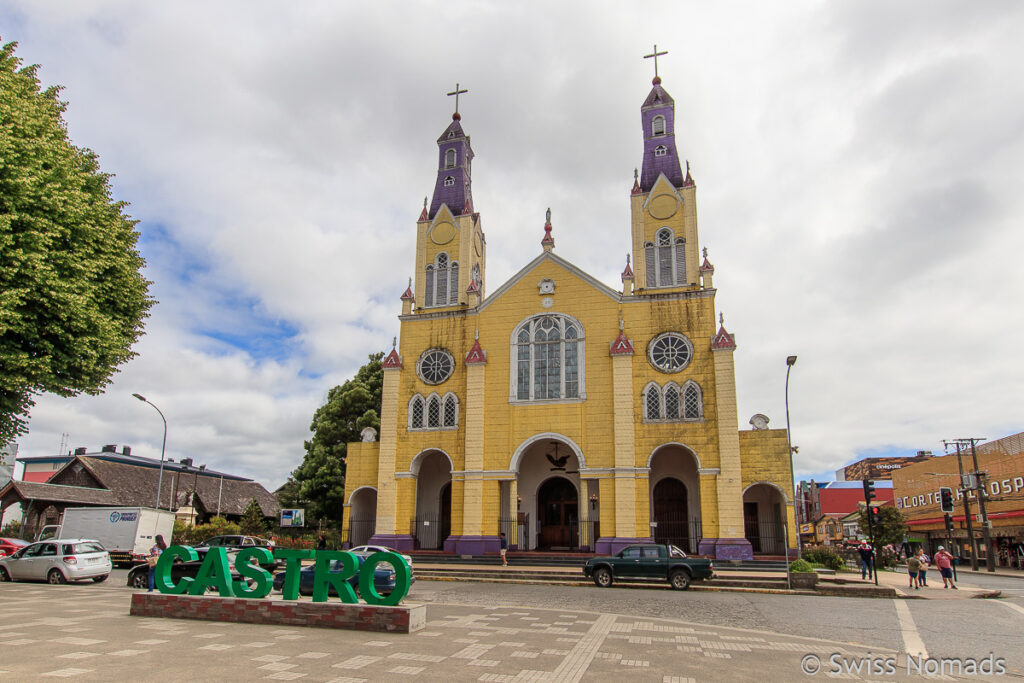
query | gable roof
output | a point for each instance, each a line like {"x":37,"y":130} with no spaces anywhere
{"x":612,"y":294}
{"x":30,"y":490}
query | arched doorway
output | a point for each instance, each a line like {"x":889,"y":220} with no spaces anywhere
{"x":432,"y":526}
{"x":764,"y":509}
{"x":669,"y":501}
{"x":362,"y":515}
{"x":558,"y":513}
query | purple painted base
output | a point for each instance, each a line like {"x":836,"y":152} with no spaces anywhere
{"x":397,"y":541}
{"x":726,"y":548}
{"x":472,"y":545}
{"x":610,"y":545}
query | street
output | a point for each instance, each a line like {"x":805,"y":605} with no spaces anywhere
{"x":513,"y":632}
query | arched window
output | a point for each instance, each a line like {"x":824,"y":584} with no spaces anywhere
{"x":653,"y":402}
{"x":660,"y":151}
{"x":442,"y":286}
{"x":547,"y":359}
{"x":416,"y":412}
{"x":693,"y":405}
{"x":433,"y":412}
{"x":451,"y":411}
{"x":666,"y":260}
{"x":658,"y":126}
{"x":671,"y":402}
{"x":449,"y":159}
{"x":449,"y":181}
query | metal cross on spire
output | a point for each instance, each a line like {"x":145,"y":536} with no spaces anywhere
{"x":458,"y":92}
{"x":655,"y":55}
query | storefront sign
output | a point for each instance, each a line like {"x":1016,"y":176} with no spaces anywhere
{"x":257,"y":582}
{"x":994,"y":488}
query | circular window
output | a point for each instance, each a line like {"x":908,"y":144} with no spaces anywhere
{"x":435,"y":366}
{"x":670,"y":352}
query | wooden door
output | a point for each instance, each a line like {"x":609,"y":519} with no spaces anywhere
{"x":558,"y":507}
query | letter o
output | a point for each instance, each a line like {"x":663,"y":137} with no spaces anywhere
{"x":403,"y":579}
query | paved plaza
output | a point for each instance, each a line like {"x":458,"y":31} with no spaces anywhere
{"x":85,"y":632}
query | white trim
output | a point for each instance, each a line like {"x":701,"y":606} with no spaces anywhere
{"x":672,"y":188}
{"x":513,"y":464}
{"x":417,"y":460}
{"x":690,"y":450}
{"x":709,"y":471}
{"x":785,"y":498}
{"x":352,"y":495}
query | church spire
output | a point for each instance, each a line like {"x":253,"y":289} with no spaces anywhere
{"x":454,"y":166}
{"x":657,"y":115}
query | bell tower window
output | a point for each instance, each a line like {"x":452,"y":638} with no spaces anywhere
{"x":449,"y":181}
{"x":660,"y":151}
{"x":666,"y":260}
{"x":658,"y":125}
{"x":442,"y":286}
{"x":449,"y":159}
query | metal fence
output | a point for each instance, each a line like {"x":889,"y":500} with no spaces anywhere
{"x":515,"y":531}
{"x":681,"y":532}
{"x":580,"y":537}
{"x":428,"y":533}
{"x":766,"y":538}
{"x":360,"y":531}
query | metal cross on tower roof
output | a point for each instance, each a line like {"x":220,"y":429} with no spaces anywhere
{"x":654,"y":54}
{"x":458,"y":92}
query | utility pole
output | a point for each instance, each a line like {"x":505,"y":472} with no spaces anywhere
{"x":967,"y":506}
{"x":990,"y":564}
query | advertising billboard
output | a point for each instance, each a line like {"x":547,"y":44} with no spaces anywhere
{"x":291,"y":518}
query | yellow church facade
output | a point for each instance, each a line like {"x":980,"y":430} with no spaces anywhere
{"x":560,"y":411}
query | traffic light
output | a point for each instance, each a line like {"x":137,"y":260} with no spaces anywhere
{"x":875,"y":514}
{"x":869,"y":490}
{"x":945,"y":499}
{"x":949,"y":524}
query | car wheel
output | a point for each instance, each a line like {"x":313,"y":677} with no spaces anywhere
{"x":602,"y":577}
{"x":100,"y":579}
{"x":680,"y":579}
{"x":139,"y":580}
{"x":55,"y":577}
{"x":4,"y":576}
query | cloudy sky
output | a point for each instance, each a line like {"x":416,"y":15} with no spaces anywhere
{"x":859,"y":190}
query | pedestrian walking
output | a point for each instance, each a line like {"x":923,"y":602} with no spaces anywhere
{"x":153,"y":558}
{"x":867,"y":561}
{"x":922,"y":573}
{"x":913,"y":566}
{"x":944,"y":561}
{"x":321,"y":543}
{"x":504,"y":549}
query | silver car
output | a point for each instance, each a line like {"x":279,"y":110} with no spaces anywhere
{"x":57,"y":560}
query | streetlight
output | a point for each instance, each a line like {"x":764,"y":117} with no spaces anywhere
{"x":790,"y":362}
{"x":163,"y":447}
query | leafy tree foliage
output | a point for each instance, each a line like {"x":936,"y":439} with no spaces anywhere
{"x":891,"y":531}
{"x":72,"y":299}
{"x":350,"y":408}
{"x":253,"y":523}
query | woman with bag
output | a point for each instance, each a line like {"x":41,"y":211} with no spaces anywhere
{"x":153,"y":558}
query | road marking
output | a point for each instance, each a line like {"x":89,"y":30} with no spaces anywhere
{"x":1011,"y":605}
{"x":575,"y":665}
{"x":912,"y":642}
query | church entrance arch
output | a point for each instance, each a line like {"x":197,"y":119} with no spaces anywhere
{"x":432,"y":525}
{"x":764,"y":509}
{"x":675,"y":497}
{"x":558,"y":511}
{"x":362,"y":515}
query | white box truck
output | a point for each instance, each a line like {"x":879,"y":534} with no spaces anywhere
{"x":126,"y":532}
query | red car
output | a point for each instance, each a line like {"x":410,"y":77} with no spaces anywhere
{"x":8,"y":546}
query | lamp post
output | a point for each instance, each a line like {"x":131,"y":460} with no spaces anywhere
{"x":163,"y":447}
{"x":790,"y":362}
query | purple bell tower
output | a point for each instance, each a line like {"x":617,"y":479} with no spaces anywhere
{"x":454,"y":171}
{"x":658,"y":115}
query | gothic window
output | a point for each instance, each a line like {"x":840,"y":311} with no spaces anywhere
{"x":653,"y":403}
{"x":692,"y":402}
{"x":453,"y":290}
{"x":547,"y":359}
{"x":433,"y":412}
{"x":416,"y":412}
{"x":449,"y":159}
{"x":666,"y":260}
{"x":435,"y":366}
{"x":451,"y":411}
{"x":671,"y":402}
{"x":449,"y":181}
{"x":442,"y":287}
{"x":428,"y":297}
{"x":660,"y":151}
{"x":658,"y":126}
{"x":670,"y":352}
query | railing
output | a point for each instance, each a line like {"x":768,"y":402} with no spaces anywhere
{"x":515,"y":531}
{"x":589,"y":531}
{"x":428,"y":533}
{"x":766,"y":538}
{"x":360,"y":531}
{"x":678,"y":531}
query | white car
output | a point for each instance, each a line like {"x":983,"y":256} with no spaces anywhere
{"x":367,"y":550}
{"x":58,"y":560}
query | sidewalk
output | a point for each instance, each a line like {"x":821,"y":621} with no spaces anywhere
{"x":934,"y":590}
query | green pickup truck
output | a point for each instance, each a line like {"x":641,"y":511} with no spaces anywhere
{"x":649,"y":561}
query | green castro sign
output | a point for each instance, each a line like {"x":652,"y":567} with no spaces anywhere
{"x":256,"y":582}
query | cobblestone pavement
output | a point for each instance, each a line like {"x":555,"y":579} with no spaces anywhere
{"x":85,"y":632}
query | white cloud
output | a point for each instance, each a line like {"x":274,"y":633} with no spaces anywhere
{"x":857,"y":170}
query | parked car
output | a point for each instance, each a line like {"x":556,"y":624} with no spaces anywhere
{"x":367,"y":550}
{"x":57,"y":561}
{"x":649,"y":561}
{"x":383,"y":578}
{"x":235,"y":541}
{"x":8,"y":546}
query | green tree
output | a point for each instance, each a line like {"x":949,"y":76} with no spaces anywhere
{"x":892,"y":529}
{"x":253,"y":522}
{"x":72,"y":298}
{"x":350,"y":408}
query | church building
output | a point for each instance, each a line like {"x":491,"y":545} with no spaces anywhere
{"x":565,"y":413}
